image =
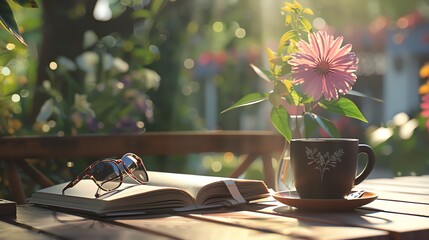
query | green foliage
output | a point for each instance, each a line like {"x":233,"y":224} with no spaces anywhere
{"x":113,"y":98}
{"x":107,"y":87}
{"x":27,"y":3}
{"x":7,"y":18}
{"x":312,"y":120}
{"x":401,"y":148}
{"x":280,"y":119}
{"x":249,"y":99}
{"x":343,"y":106}
{"x":306,"y":24}
{"x":266,"y":75}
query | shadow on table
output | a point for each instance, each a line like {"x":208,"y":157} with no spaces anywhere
{"x":355,"y":217}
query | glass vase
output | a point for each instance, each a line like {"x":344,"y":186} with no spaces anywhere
{"x":284,"y":180}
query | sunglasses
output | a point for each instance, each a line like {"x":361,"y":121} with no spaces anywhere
{"x":108,"y":174}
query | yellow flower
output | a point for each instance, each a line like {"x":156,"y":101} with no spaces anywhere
{"x":297,"y":5}
{"x":272,"y":57}
{"x":287,"y":7}
{"x":424,"y":89}
{"x":424,"y":71}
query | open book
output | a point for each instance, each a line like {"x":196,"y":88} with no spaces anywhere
{"x":164,"y":192}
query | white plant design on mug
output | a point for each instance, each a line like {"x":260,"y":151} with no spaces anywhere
{"x":324,"y":162}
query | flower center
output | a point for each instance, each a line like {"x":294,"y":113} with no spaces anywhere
{"x":322,"y":68}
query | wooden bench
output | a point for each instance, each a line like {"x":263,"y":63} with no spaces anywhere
{"x":15,"y":150}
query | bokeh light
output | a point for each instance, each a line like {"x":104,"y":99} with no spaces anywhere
{"x":53,"y":65}
{"x":216,"y":166}
{"x":192,"y":27}
{"x":319,"y":23}
{"x":140,"y":124}
{"x":218,"y":26}
{"x":229,"y":157}
{"x":402,"y":23}
{"x":10,"y":46}
{"x":189,"y":63}
{"x":15,"y":98}
{"x":120,"y":85}
{"x":46,"y":128}
{"x":240,"y":32}
{"x":5,"y":71}
{"x":400,"y":119}
{"x":24,"y":93}
{"x":102,"y":11}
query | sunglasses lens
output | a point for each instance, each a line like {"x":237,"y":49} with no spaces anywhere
{"x":135,"y":166}
{"x":105,"y":173}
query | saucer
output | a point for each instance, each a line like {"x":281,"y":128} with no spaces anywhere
{"x":291,"y":198}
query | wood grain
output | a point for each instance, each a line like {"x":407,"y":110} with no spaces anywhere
{"x":153,"y":143}
{"x":10,"y":231}
{"x":399,"y":226}
{"x":291,"y":227}
{"x":187,"y":228}
{"x":76,"y":227}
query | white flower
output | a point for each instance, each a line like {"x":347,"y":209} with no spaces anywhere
{"x":82,"y":105}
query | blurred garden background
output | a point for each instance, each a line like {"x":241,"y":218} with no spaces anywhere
{"x":116,"y":66}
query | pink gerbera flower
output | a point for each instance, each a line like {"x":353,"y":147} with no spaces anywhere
{"x":322,"y":66}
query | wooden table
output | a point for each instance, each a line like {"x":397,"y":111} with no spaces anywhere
{"x":400,"y":212}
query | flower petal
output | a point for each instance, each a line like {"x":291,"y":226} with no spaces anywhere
{"x":323,"y":66}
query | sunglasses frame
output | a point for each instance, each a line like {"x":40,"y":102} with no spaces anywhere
{"x":126,"y":170}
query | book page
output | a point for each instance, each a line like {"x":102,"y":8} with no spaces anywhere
{"x":207,"y":189}
{"x":187,"y":182}
{"x":87,"y":189}
{"x":127,"y":197}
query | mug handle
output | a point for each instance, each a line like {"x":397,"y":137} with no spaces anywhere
{"x":363,"y":148}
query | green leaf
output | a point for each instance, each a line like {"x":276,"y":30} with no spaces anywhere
{"x":325,"y":124}
{"x":359,"y":94}
{"x":286,"y":37}
{"x":7,"y":20}
{"x":291,"y":48}
{"x":142,"y":13}
{"x":310,"y":124}
{"x":156,"y":5}
{"x":261,"y":73}
{"x":27,"y":3}
{"x":293,"y":98}
{"x":306,"y":24}
{"x":296,"y":97}
{"x":343,"y":106}
{"x":280,"y":120}
{"x":249,"y":99}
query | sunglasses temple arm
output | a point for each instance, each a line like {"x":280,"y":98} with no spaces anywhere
{"x":75,"y":181}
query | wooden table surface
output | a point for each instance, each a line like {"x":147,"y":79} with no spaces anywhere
{"x":400,"y":212}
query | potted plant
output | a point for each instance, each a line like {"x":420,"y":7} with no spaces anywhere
{"x":310,"y":71}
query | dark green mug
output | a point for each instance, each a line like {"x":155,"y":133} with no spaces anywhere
{"x":325,"y":168}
